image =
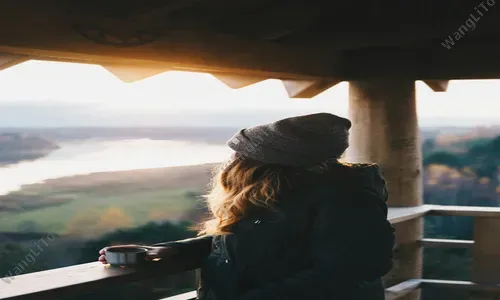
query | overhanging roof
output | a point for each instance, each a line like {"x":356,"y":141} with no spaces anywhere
{"x":248,"y":41}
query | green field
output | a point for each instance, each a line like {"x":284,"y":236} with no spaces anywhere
{"x":90,"y":205}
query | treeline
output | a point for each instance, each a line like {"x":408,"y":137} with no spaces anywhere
{"x":468,"y":177}
{"x":482,"y":157}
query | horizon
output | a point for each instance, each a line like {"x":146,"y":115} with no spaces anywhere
{"x":429,"y":123}
{"x":53,"y":94}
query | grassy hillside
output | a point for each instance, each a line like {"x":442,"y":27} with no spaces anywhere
{"x":90,"y":205}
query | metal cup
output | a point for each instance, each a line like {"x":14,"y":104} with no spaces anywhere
{"x":125,"y":256}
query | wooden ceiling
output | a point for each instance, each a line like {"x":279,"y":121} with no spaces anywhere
{"x":308,"y":43}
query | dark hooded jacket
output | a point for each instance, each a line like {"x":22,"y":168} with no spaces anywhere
{"x":328,"y":239}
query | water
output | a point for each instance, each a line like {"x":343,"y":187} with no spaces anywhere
{"x":93,"y":156}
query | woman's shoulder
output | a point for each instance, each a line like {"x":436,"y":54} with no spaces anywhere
{"x":335,"y":183}
{"x":343,"y":180}
{"x":354,"y":168}
{"x":348,"y":174}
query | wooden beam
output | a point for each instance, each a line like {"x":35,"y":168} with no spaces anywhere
{"x":467,"y":61}
{"x":77,"y":280}
{"x":446,"y":243}
{"x":437,"y":85}
{"x":220,"y":54}
{"x":236,"y":81}
{"x":57,"y":36}
{"x":168,"y":8}
{"x":128,"y":73}
{"x":10,"y":60}
{"x":277,"y":19}
{"x":58,"y":282}
{"x":46,"y":32}
{"x":307,"y":88}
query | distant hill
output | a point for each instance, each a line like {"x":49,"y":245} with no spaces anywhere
{"x":67,"y":114}
{"x":213,"y":135}
{"x":17,"y":147}
{"x":443,"y":136}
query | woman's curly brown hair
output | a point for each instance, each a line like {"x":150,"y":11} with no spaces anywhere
{"x":244,"y":184}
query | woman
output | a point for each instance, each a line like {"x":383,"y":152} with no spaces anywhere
{"x":290,"y":221}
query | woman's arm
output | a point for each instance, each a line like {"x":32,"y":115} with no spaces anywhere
{"x":352,"y":241}
{"x":189,"y":253}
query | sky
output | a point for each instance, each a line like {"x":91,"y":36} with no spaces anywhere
{"x":89,"y":90}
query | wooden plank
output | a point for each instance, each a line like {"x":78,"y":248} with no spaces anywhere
{"x":24,"y":286}
{"x":203,"y":52}
{"x":76,"y":280}
{"x":400,"y":290}
{"x":49,"y":32}
{"x":412,"y":50}
{"x":401,"y":214}
{"x":200,"y":54}
{"x":467,"y":211}
{"x":63,"y":37}
{"x":446,"y":243}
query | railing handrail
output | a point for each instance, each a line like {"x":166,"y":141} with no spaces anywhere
{"x":76,"y":279}
{"x":402,"y":214}
{"x":465,"y":211}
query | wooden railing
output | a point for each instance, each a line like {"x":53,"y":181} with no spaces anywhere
{"x":485,"y":248}
{"x":79,"y":279}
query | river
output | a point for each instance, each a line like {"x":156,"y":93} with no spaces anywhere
{"x":91,"y":156}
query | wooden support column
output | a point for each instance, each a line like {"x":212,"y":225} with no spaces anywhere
{"x":385,"y":131}
{"x":486,"y":254}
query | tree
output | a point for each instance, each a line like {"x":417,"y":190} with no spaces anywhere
{"x":112,"y":219}
{"x":444,"y":158}
{"x":83,"y":224}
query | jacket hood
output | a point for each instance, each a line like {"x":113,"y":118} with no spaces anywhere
{"x":369,"y":177}
{"x":365,"y":177}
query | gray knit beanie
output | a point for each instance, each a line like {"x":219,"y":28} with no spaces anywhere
{"x":298,"y":141}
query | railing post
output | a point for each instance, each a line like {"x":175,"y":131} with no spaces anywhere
{"x":486,"y":254}
{"x":385,"y":130}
